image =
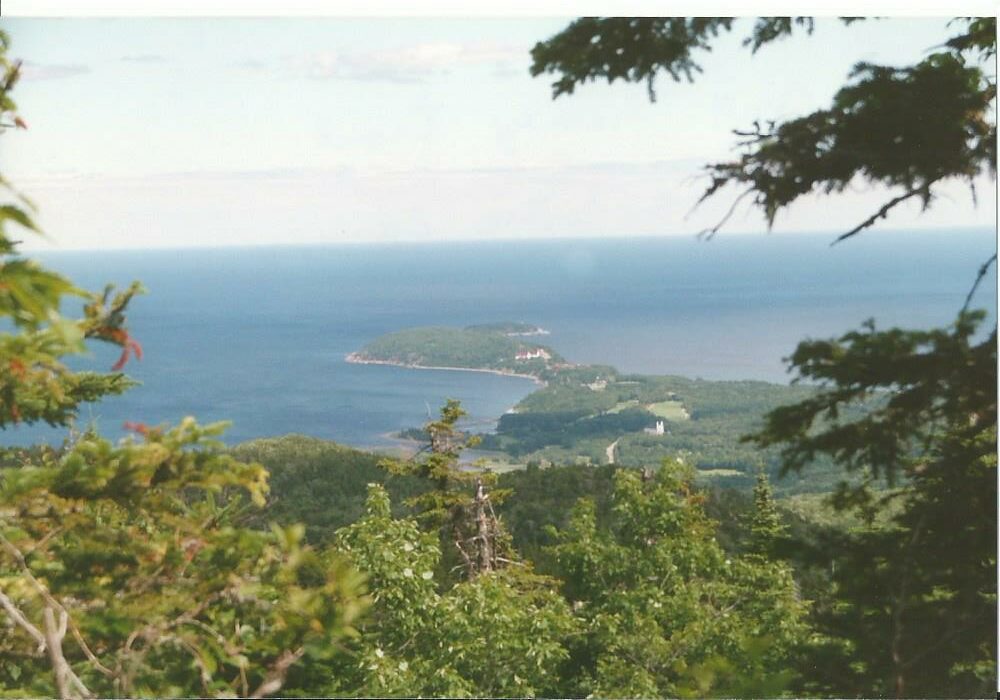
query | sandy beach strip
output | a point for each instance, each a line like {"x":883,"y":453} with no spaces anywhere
{"x":355,"y":359}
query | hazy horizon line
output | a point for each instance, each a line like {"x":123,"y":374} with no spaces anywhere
{"x":831,"y":233}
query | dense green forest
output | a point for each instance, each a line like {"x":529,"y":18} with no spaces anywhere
{"x":170,"y":565}
{"x":489,"y":347}
{"x":324,"y":485}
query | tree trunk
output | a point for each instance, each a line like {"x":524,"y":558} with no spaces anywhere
{"x":484,"y":531}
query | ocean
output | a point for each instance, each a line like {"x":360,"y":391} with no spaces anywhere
{"x":258,"y":336}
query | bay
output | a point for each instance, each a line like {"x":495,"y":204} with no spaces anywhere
{"x":258,"y":335}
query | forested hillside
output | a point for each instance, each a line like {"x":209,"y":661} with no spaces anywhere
{"x":575,"y":420}
{"x":319,"y":483}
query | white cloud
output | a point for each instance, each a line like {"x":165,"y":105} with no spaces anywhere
{"x":143,"y":58}
{"x":407,"y":64}
{"x":252,"y":64}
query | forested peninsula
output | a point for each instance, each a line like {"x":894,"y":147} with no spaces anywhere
{"x":495,"y":347}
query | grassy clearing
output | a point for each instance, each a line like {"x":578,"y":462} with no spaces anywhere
{"x":622,"y":405}
{"x":669,"y":410}
{"x":719,"y":473}
{"x":499,"y":462}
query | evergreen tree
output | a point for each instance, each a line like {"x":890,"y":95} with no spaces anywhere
{"x":35,"y":384}
{"x":918,"y":595}
{"x":460,"y":503}
{"x":765,"y":521}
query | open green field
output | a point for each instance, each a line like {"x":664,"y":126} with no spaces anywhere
{"x":669,"y":410}
{"x":708,"y":473}
{"x":622,"y":405}
{"x":492,"y":460}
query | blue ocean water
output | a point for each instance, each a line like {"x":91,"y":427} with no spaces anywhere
{"x":258,"y":335}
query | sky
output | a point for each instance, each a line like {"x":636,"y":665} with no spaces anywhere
{"x":151,"y":133}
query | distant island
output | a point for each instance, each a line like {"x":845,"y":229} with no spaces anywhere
{"x":593,"y":414}
{"x":493,"y":347}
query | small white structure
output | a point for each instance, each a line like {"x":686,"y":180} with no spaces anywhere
{"x":660,"y":429}
{"x":532,"y":355}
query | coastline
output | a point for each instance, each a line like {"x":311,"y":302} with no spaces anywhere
{"x":356,"y":359}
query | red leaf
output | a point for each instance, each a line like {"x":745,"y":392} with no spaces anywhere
{"x":140,"y":428}
{"x":129,"y":346}
{"x":122,"y":359}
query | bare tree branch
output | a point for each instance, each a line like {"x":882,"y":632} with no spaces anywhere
{"x":983,"y":269}
{"x":226,"y":645}
{"x":53,"y":644}
{"x":276,"y":676}
{"x":923,"y":191}
{"x":18,"y":617}
{"x":709,"y":233}
{"x":18,"y":556}
{"x":55,"y":632}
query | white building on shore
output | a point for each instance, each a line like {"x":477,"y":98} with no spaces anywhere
{"x":537,"y":354}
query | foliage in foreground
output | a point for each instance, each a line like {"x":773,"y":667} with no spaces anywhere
{"x":128,"y":570}
{"x":35,"y":384}
{"x":499,"y":634}
{"x":917,"y":592}
{"x":458,"y":504}
{"x":647,"y":607}
{"x":138,"y":552}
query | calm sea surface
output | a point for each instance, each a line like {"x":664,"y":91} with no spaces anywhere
{"x":258,"y":336}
